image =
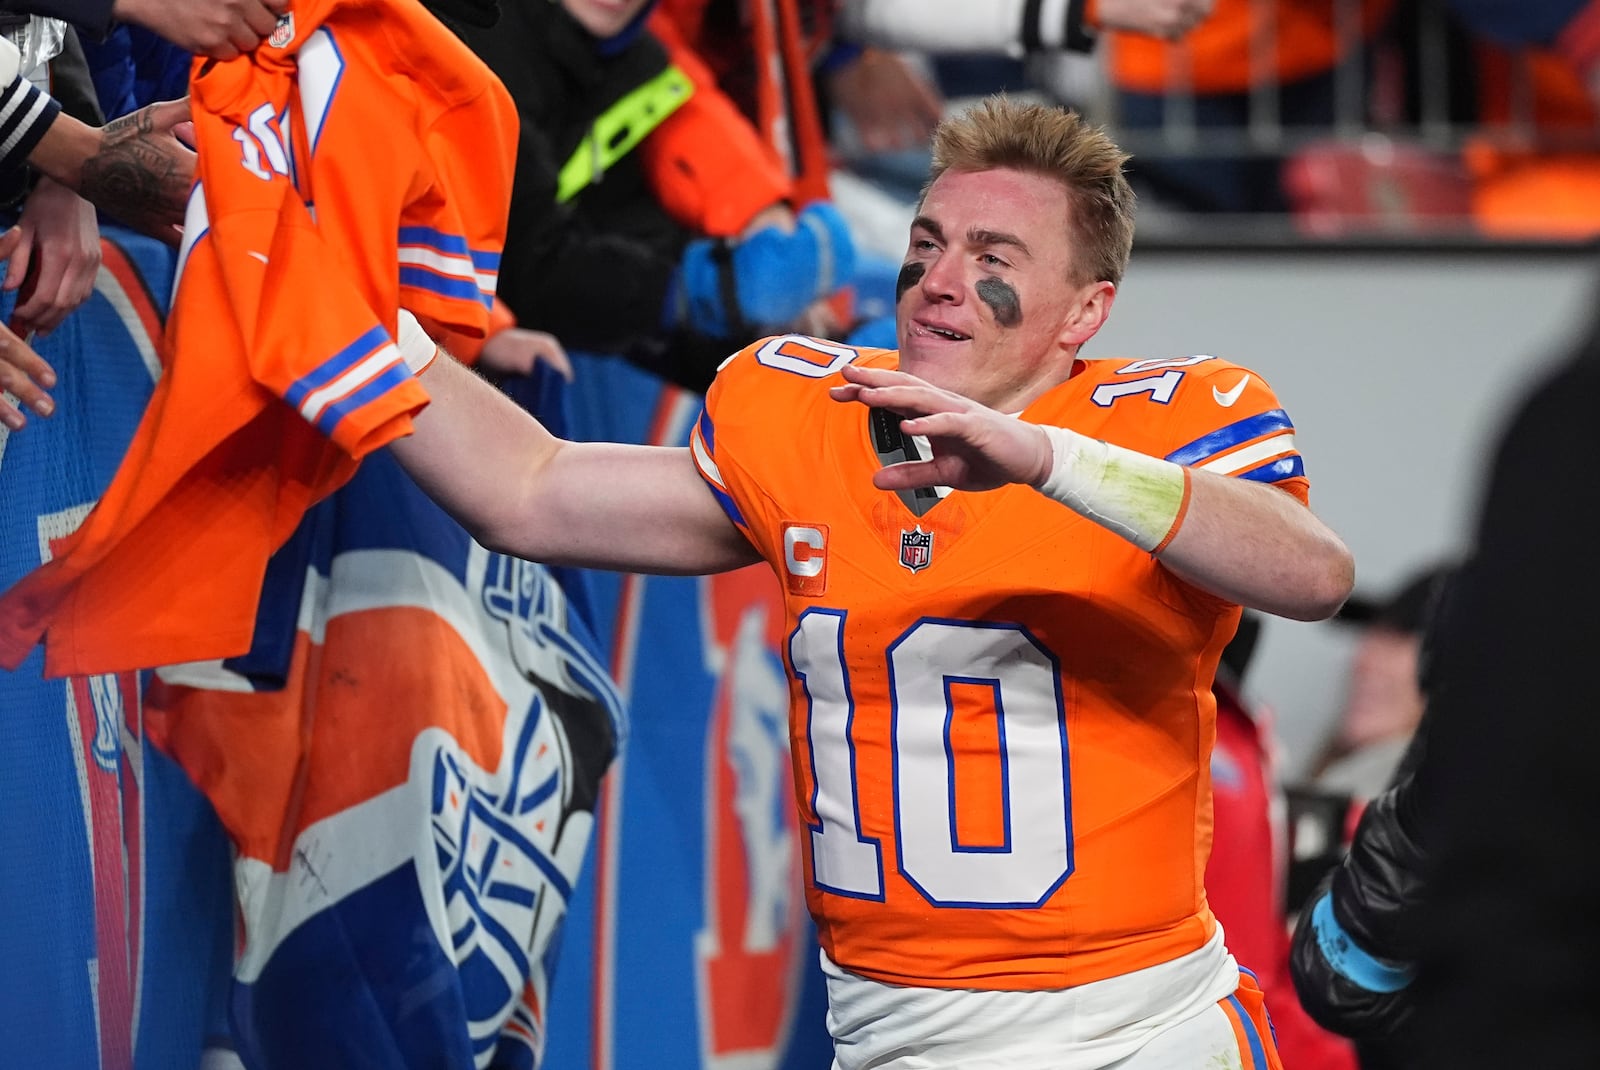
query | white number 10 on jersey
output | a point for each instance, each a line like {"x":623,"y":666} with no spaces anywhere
{"x":1034,"y":801}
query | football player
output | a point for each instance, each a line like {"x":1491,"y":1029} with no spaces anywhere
{"x":1009,"y":573}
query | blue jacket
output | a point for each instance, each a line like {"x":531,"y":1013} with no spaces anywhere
{"x":133,"y":67}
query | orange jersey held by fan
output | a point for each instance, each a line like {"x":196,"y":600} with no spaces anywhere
{"x":1001,"y":714}
{"x":357,"y":161}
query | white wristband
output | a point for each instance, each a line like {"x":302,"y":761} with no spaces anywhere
{"x":1141,"y":498}
{"x":415,"y":346}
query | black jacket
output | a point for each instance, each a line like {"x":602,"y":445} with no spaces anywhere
{"x":1508,"y":942}
{"x":1477,"y":871}
{"x":1363,"y":913}
{"x":594,"y":271}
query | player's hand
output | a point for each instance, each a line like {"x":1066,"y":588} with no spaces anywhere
{"x":221,"y":29}
{"x":974,"y":447}
{"x":516,"y":351}
{"x":25,"y":376}
{"x":61,"y":244}
{"x":1170,"y":19}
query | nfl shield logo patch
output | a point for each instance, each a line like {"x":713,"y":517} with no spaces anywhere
{"x":283,"y":32}
{"x":916,"y":548}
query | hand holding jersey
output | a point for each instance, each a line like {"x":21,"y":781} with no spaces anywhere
{"x":136,"y":168}
{"x":221,"y":29}
{"x":143,"y":170}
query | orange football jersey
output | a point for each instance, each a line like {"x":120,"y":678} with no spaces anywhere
{"x":1001,"y":713}
{"x":358,"y":160}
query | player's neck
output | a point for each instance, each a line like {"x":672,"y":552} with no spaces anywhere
{"x":1025,"y":394}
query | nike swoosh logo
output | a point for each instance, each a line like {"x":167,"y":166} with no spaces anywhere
{"x":263,"y":258}
{"x":1226,"y":398}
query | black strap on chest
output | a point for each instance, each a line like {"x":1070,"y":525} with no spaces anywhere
{"x":894,"y":446}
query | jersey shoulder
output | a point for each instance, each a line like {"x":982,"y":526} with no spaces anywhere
{"x":1193,"y":393}
{"x":768,"y":416}
{"x":1198,"y":367}
{"x":1200,"y":411}
{"x":780,"y":378}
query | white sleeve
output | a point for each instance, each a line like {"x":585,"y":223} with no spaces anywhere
{"x":10,"y":61}
{"x":1008,"y":27}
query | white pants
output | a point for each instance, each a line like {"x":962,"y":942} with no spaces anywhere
{"x":1165,"y":1017}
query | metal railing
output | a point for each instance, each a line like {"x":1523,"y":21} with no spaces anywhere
{"x":1410,"y":92}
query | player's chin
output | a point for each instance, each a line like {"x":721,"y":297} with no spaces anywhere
{"x":925,"y":366}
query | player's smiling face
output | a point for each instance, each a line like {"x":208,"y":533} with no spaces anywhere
{"x":987,"y":307}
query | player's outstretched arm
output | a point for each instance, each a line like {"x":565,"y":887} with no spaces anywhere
{"x":520,"y":490}
{"x":1243,"y":541}
{"x":1255,"y":545}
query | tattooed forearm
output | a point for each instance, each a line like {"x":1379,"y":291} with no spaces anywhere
{"x":141,"y":173}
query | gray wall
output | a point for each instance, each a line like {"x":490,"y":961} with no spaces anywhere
{"x":1397,"y":368}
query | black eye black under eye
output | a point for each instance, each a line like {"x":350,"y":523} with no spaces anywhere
{"x":999,"y":296}
{"x":910,"y":275}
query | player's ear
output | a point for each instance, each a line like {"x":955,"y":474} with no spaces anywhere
{"x":1093,"y":305}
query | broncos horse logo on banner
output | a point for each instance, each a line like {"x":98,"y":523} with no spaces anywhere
{"x":750,"y":952}
{"x":503,"y":872}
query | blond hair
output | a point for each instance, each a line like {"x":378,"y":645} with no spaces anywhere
{"x":1057,"y":143}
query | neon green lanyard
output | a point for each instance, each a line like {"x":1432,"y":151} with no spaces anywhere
{"x":622,"y":126}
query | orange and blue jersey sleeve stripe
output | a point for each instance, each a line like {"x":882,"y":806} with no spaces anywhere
{"x":1259,"y":448}
{"x":702,"y":443}
{"x":1246,"y":1033}
{"x":331,"y":396}
{"x":445,"y":265}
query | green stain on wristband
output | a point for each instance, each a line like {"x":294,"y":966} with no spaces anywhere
{"x":1146,"y":491}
